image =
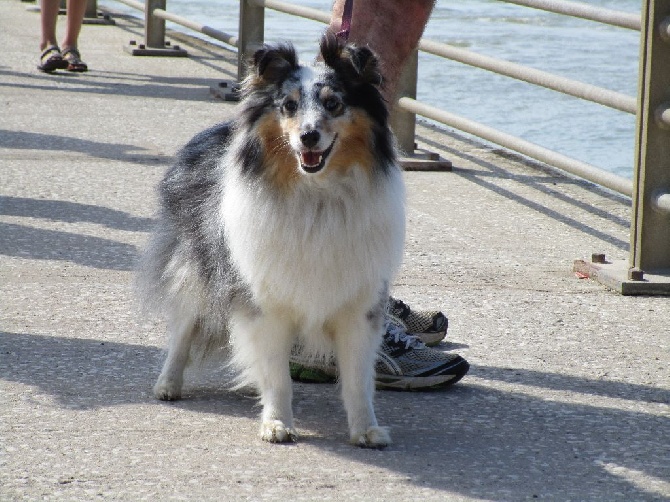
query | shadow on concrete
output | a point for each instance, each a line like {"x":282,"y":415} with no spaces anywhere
{"x":103,"y":83}
{"x":73,"y":212}
{"x":542,"y":183}
{"x":553,"y":381}
{"x":24,"y":140}
{"x":41,"y":244}
{"x":214,"y":51}
{"x":45,"y":244}
{"x":458,"y":440}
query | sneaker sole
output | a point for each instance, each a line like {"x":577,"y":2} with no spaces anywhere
{"x":388,"y":382}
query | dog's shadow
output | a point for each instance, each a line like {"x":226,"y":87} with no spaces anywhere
{"x":472,"y":438}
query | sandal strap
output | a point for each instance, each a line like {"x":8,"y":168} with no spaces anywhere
{"x":52,"y":50}
{"x":72,"y":54}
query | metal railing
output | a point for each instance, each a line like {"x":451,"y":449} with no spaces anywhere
{"x":650,"y":187}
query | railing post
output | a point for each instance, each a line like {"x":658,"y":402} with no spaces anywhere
{"x":647,"y":270}
{"x":154,"y":27}
{"x":91,"y":9}
{"x":154,"y":34}
{"x":650,"y":222}
{"x":251,"y":34}
{"x":403,"y":122}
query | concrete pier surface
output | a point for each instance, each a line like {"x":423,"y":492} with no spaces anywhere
{"x":569,"y":390}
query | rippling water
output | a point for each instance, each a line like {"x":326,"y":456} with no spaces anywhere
{"x":590,"y":52}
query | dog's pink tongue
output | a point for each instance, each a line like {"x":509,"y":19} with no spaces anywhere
{"x":311,"y":158}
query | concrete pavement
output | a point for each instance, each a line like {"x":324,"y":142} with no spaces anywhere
{"x":568,"y":397}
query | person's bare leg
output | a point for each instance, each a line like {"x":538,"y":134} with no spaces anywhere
{"x":391,"y":28}
{"x":48,"y":18}
{"x":75,"y":17}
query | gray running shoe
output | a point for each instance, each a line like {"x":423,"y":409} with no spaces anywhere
{"x":406,"y":363}
{"x":403,"y":363}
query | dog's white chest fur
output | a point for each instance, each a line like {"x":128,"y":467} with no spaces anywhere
{"x":319,"y":247}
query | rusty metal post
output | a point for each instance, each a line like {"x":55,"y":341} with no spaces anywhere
{"x":251,"y":34}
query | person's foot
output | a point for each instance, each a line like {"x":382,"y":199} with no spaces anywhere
{"x":429,"y":325}
{"x":73,"y":59}
{"x":406,"y":363}
{"x":51,"y":60}
{"x":403,"y":363}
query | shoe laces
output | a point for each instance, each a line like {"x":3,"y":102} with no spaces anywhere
{"x":402,"y":336}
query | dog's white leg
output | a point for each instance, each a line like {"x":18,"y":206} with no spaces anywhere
{"x":169,"y":383}
{"x":356,"y":343}
{"x":262,"y":347}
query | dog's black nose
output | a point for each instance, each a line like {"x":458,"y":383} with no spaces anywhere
{"x":310,"y":138}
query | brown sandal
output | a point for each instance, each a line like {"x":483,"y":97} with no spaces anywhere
{"x":73,"y":60}
{"x":51,"y":59}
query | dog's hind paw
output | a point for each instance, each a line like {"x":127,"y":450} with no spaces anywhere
{"x":374,"y":437}
{"x":166,"y":390}
{"x":274,"y":431}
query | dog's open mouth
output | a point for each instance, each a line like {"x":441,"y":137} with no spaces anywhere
{"x":312,"y":161}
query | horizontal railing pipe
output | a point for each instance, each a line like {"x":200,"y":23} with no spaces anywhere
{"x":564,"y":85}
{"x":572,"y":166}
{"x":584,"y":11}
{"x":206,"y":30}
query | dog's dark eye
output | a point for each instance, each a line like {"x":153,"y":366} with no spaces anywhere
{"x":331,"y":104}
{"x":290,"y":106}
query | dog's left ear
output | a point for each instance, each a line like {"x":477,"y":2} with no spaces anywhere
{"x":358,"y":64}
{"x":271,"y":64}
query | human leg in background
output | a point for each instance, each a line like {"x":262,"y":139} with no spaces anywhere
{"x":391,"y":28}
{"x":51,"y":58}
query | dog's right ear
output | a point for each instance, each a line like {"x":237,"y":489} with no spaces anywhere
{"x":271,"y":64}
{"x":357,"y":64}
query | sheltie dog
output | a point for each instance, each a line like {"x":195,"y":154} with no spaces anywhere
{"x":284,"y":225}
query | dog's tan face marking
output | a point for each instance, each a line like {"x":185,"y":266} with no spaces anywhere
{"x":354,"y":144}
{"x":280,"y":160}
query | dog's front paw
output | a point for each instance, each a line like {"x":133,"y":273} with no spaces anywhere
{"x":167,"y":390}
{"x":374,"y":437}
{"x":274,"y":431}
